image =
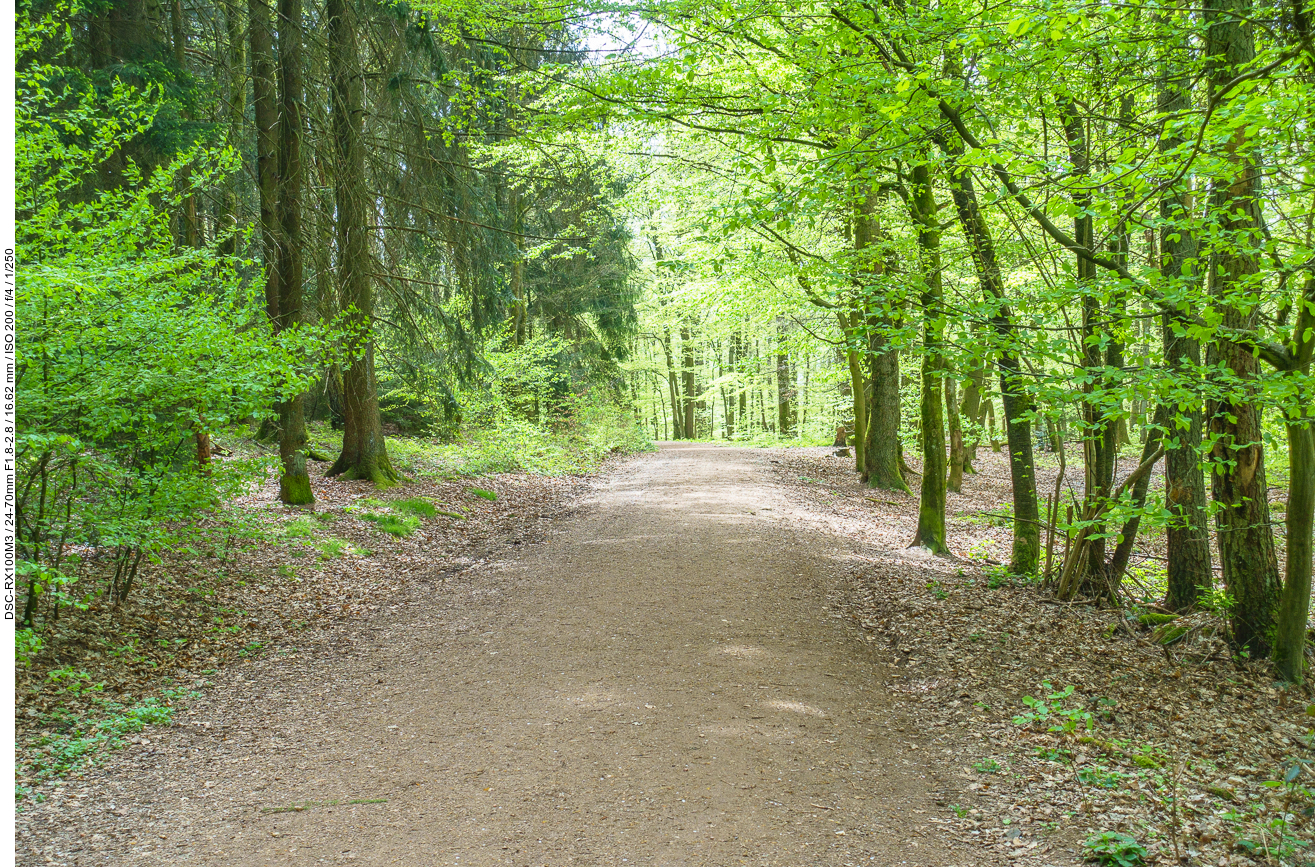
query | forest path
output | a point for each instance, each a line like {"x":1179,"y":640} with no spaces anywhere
{"x":657,"y":684}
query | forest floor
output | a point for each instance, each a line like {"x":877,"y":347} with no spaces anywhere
{"x":712,"y":656}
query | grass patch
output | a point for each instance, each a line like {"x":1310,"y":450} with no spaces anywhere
{"x":417,"y":507}
{"x":299,"y":528}
{"x":396,"y":525}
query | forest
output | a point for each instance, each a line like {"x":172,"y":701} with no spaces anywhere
{"x":338,"y":248}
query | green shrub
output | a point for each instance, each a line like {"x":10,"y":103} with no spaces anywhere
{"x":1114,"y":849}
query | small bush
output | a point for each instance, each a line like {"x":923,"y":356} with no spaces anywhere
{"x":1114,"y":849}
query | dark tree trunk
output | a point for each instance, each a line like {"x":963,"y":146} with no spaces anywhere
{"x":690,"y":398}
{"x":265,"y":108}
{"x":1246,"y":540}
{"x":881,"y":446}
{"x":1098,"y":440}
{"x":1187,"y":534}
{"x":364,"y":452}
{"x":973,"y":408}
{"x":954,"y":481}
{"x":294,"y":485}
{"x":1294,"y":606}
{"x":1017,"y":404}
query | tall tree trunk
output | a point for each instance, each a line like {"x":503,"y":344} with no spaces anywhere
{"x":881,"y":447}
{"x":728,"y":397}
{"x":785,"y":386}
{"x":265,"y":108}
{"x":973,"y":408}
{"x":851,"y":326}
{"x":931,"y":501}
{"x":294,"y":485}
{"x":364,"y":452}
{"x":954,"y":481}
{"x":673,"y":388}
{"x":1098,"y":440}
{"x":1017,"y":404}
{"x":237,"y":106}
{"x":687,"y":381}
{"x":1246,"y":541}
{"x":1187,"y":532}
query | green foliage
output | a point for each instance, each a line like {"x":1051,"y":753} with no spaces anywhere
{"x":487,"y":495}
{"x":129,"y":346}
{"x":1099,"y":775}
{"x":1054,"y":705}
{"x":27,"y":644}
{"x":71,"y":740}
{"x":987,"y":766}
{"x":1114,"y":849}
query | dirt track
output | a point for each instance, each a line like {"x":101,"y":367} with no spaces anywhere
{"x":658,"y":684}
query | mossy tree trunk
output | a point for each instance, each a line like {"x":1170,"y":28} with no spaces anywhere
{"x":931,"y":500}
{"x":954,"y":480}
{"x":1187,"y":533}
{"x":1239,"y":486}
{"x":294,"y":484}
{"x":1017,"y":404}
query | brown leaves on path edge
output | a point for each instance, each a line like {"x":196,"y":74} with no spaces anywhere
{"x":1187,"y":754}
{"x":294,"y":577}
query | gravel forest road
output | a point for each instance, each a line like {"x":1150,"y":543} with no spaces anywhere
{"x":659,"y":683}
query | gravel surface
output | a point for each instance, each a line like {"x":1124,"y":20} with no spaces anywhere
{"x":665,"y":680}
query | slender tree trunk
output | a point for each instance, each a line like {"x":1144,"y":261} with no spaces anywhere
{"x":850,"y":326}
{"x":265,"y":108}
{"x":237,"y":104}
{"x":785,"y":391}
{"x":364,"y":452}
{"x":1246,"y":541}
{"x":1017,"y":404}
{"x":673,"y":389}
{"x":294,"y":485}
{"x":973,"y":408}
{"x":1294,"y":605}
{"x":687,"y":380}
{"x":1098,"y":422}
{"x":1187,"y":533}
{"x":931,"y":501}
{"x":954,"y":482}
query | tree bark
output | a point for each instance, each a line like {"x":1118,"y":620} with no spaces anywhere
{"x":881,"y":447}
{"x":1017,"y":404}
{"x":687,"y":381}
{"x":931,"y":500}
{"x":850,"y":326}
{"x":1246,"y":541}
{"x":364,"y":452}
{"x":294,"y":485}
{"x":973,"y":408}
{"x":786,"y":413}
{"x":1294,"y":605}
{"x":1187,"y":532}
{"x":1098,"y":440}
{"x":954,"y":481}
